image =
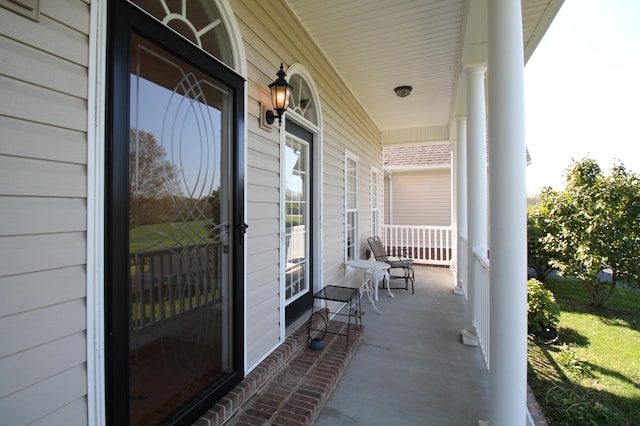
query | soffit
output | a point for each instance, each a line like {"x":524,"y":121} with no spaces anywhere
{"x":376,"y":45}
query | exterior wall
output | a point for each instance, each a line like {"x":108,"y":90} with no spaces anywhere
{"x":345,"y":125}
{"x":43,"y":151}
{"x":43,"y":196}
{"x":422,"y":197}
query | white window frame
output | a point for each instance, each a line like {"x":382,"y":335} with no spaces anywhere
{"x":375,"y":201}
{"x":307,"y":212}
{"x":351,"y":214}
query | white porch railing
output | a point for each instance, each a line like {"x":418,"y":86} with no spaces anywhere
{"x":480,"y":270}
{"x":429,"y":245}
{"x":433,"y":245}
{"x":169,"y":283}
{"x":295,"y":244}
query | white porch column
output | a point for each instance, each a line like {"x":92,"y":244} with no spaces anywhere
{"x":508,"y":300}
{"x":460,"y":163}
{"x":476,"y":185}
{"x":454,"y":211}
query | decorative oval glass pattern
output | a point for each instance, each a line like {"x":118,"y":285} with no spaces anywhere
{"x":179,"y":264}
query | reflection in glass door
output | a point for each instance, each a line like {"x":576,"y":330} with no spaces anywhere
{"x":296,"y":217}
{"x":180,"y":307}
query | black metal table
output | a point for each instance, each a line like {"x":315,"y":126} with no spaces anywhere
{"x":348,"y":296}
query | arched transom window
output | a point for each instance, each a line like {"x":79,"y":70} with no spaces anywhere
{"x":199,"y":21}
{"x":302,"y":99}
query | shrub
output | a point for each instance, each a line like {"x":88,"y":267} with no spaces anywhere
{"x":538,"y":255}
{"x":569,"y":359}
{"x":542,"y":309}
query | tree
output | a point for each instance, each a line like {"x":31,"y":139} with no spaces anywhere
{"x":596,"y":222}
{"x":217,"y":230}
{"x":153,"y":181}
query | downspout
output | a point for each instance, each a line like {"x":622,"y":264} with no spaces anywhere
{"x":390,"y":174}
{"x":461,"y":206}
{"x":453,"y":190}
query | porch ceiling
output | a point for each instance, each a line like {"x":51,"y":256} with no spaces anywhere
{"x":376,"y":45}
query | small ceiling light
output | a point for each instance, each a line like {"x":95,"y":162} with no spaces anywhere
{"x":280,"y":93}
{"x":403,"y":91}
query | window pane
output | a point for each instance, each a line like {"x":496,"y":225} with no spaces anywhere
{"x":351,"y":213}
{"x":296,"y":217}
{"x":374,"y":202}
{"x":302,"y":99}
{"x":196,"y":20}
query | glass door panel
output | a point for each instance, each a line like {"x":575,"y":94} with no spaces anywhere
{"x":180,"y":308}
{"x":296,"y":215}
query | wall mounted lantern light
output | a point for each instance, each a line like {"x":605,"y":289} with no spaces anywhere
{"x":280,"y":93}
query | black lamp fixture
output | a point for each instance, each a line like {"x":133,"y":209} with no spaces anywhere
{"x":280,"y":94}
{"x":403,"y":91}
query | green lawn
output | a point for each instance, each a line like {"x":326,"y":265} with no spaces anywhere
{"x":179,"y":306}
{"x":167,"y":235}
{"x":591,"y":376}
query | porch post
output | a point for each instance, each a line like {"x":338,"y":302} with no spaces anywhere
{"x":508,"y":300}
{"x":476,"y":186}
{"x":454,"y":211}
{"x":460,"y":162}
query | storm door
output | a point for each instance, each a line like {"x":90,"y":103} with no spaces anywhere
{"x":297,"y":221}
{"x":175,"y":227}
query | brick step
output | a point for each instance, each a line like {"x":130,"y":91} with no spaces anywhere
{"x":292,"y":384}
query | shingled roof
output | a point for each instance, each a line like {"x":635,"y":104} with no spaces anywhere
{"x":417,"y":156}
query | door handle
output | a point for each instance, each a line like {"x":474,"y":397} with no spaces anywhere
{"x":243,"y":228}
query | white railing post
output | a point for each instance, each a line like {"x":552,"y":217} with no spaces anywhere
{"x":429,"y":245}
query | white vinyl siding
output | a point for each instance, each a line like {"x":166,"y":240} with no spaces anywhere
{"x":43,"y":186}
{"x":422,"y":197}
{"x":345,"y":123}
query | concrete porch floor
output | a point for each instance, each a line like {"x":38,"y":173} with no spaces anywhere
{"x":411,"y":368}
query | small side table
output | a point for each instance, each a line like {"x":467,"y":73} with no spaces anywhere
{"x":346,"y":295}
{"x":372,"y":272}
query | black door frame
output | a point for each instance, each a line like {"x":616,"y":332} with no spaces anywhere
{"x":123,"y":19}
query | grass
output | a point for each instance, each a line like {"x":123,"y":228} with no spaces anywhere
{"x":167,"y":235}
{"x":179,"y":306}
{"x":591,"y":376}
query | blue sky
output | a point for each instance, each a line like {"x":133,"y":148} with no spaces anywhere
{"x":582,"y":91}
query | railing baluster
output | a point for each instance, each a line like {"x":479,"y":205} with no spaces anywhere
{"x":152,"y":283}
{"x":175,"y":280}
{"x":162,"y":276}
{"x":426,"y":244}
{"x":481,"y":269}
